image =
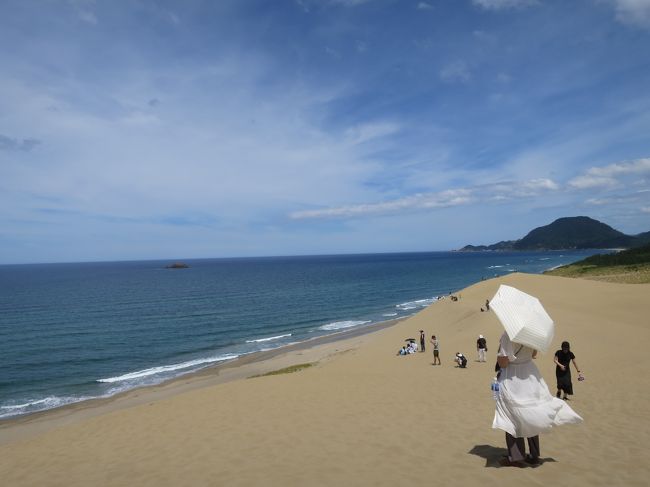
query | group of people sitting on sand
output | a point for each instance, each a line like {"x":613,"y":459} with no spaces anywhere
{"x":410,"y":347}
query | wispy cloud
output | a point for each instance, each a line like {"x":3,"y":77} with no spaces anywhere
{"x":457,"y":71}
{"x":504,"y":4}
{"x":633,"y":12}
{"x":608,"y":176}
{"x":603,"y":177}
{"x":88,"y":17}
{"x":590,"y":181}
{"x":370,"y":131}
{"x":349,"y":3}
{"x":429,"y":201}
{"x":424,"y":6}
{"x":443,"y":199}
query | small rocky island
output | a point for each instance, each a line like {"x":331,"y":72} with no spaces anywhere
{"x":177,"y":265}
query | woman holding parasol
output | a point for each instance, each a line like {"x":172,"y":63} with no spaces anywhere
{"x":524,"y":407}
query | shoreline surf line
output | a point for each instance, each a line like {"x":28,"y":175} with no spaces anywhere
{"x":40,"y":421}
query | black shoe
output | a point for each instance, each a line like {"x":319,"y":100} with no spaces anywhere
{"x":532,"y":460}
{"x":557,"y":395}
{"x":506,"y":462}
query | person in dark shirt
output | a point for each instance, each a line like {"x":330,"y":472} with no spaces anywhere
{"x":563,"y":359}
{"x":481,"y":348}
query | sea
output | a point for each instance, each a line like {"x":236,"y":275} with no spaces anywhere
{"x":74,"y":332}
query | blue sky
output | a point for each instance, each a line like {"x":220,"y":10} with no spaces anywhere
{"x":160,"y":129}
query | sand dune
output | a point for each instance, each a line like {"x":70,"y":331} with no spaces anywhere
{"x":365,"y":416}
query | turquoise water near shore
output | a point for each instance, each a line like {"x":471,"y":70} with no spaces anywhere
{"x":70,"y":332}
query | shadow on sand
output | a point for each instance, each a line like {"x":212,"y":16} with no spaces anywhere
{"x":493,"y":454}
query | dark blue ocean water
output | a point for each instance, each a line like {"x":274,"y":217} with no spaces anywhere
{"x":70,"y":332}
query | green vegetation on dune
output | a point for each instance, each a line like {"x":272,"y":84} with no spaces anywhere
{"x":287,"y":370}
{"x":630,"y":266}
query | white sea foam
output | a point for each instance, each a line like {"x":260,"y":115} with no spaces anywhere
{"x":389,"y":314}
{"x":420,"y":303}
{"x":340,"y":325}
{"x":495,"y":266}
{"x":269,"y":338}
{"x":168,"y":368}
{"x":38,"y":405}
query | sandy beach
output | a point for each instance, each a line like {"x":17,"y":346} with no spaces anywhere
{"x":362,"y":415}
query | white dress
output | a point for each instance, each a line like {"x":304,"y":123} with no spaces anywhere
{"x":525,"y":407}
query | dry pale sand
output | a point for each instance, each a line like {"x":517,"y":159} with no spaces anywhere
{"x":364,"y":416}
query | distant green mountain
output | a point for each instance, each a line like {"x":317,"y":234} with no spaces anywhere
{"x":579,"y":232}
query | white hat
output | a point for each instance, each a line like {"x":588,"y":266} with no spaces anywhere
{"x":480,"y":336}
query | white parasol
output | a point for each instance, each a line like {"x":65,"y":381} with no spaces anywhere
{"x":524,"y":318}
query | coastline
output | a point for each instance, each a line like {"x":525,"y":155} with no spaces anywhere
{"x":128,"y":362}
{"x":363,"y":415}
{"x":242,"y":367}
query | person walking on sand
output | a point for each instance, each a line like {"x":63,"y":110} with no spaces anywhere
{"x":481,"y":348}
{"x":524,"y":406}
{"x":436,"y":350}
{"x":422,"y":340}
{"x":563,"y":359}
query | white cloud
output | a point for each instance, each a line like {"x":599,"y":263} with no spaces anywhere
{"x":518,"y":189}
{"x":645,"y":209}
{"x":540,"y":184}
{"x":503,"y":4}
{"x":424,"y":6}
{"x":428,"y":201}
{"x":588,"y":181}
{"x":457,"y":71}
{"x":638,"y":166}
{"x":609,"y":176}
{"x":622,"y":199}
{"x":88,"y":17}
{"x":633,"y":12}
{"x":365,"y":132}
{"x":444,"y":199}
{"x":350,"y":3}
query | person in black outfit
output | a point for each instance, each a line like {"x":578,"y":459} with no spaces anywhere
{"x":481,"y":348}
{"x":422,"y":340}
{"x":563,"y":359}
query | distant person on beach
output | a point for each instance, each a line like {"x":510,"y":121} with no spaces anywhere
{"x":436,"y":350}
{"x":461,"y":360}
{"x":402,"y":351}
{"x":422,"y":340}
{"x":524,"y":405}
{"x":487,"y":305}
{"x":481,"y":348}
{"x":563,"y":359}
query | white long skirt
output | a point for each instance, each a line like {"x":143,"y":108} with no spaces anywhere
{"x":525,"y":407}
